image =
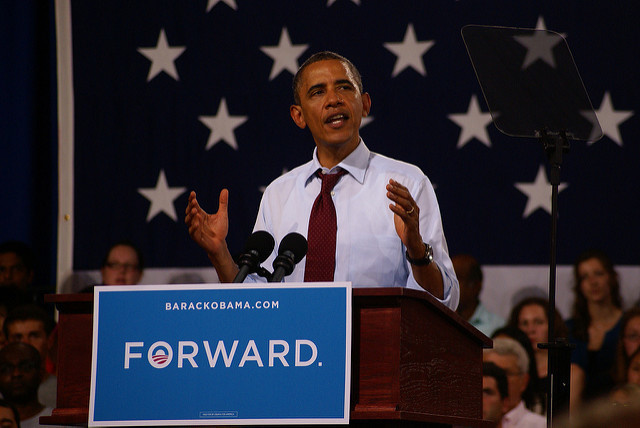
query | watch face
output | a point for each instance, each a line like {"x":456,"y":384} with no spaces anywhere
{"x":426,"y":260}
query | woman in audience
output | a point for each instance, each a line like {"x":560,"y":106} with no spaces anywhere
{"x":594,"y":327}
{"x":629,"y":342}
{"x":633,"y":371}
{"x":530,"y":316}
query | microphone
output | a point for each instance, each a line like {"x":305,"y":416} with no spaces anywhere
{"x":258,"y":247}
{"x":292,"y":249}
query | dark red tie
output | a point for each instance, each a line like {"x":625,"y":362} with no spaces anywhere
{"x":321,"y":237}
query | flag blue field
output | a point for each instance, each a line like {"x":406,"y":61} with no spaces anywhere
{"x":174,"y":96}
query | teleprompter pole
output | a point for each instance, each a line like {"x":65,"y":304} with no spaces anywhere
{"x":559,"y":362}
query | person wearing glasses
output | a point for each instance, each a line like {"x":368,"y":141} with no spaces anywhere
{"x":123,"y":265}
{"x":510,"y":356}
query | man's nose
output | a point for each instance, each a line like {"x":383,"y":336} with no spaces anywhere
{"x":334,"y":98}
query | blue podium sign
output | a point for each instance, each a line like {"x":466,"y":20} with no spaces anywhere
{"x":221,"y":354}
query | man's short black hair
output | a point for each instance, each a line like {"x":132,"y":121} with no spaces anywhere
{"x":492,"y":370}
{"x":324,"y":56}
{"x":22,"y":250}
{"x":27,"y":313}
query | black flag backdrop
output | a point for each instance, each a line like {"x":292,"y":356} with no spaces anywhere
{"x":172,"y":96}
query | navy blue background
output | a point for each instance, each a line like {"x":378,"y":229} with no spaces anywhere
{"x":128,"y":129}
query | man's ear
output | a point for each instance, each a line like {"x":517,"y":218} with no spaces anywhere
{"x":297,"y":116}
{"x":525,"y":382}
{"x":366,"y":104}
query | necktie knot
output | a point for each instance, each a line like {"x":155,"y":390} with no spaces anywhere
{"x":329,"y":181}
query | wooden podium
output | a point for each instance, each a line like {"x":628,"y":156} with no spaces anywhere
{"x":414,"y":361}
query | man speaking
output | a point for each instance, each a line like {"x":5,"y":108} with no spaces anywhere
{"x":368,"y":219}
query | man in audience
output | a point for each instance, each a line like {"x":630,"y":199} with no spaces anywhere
{"x":509,"y":355}
{"x":10,"y":298}
{"x":495,"y":392}
{"x":19,"y":380}
{"x":9,"y":417}
{"x":31,"y":324}
{"x":470,"y":308}
{"x":16,"y":265}
{"x":18,"y":271}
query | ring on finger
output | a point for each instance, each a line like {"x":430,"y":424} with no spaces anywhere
{"x":411,"y":210}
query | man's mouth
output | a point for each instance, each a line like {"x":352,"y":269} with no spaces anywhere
{"x":336,"y":120}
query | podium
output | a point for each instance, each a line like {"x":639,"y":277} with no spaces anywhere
{"x":414,"y":361}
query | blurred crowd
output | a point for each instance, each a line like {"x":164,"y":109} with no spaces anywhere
{"x":605,"y":361}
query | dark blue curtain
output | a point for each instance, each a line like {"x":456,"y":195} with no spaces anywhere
{"x":28,"y":131}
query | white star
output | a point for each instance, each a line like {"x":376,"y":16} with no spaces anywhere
{"x":162,"y":57}
{"x":230,"y":3}
{"x":539,"y":46}
{"x":609,"y":119}
{"x":330,"y":2}
{"x":409,"y":52}
{"x":538,"y":192}
{"x":473,"y":123}
{"x":222,"y":126}
{"x":285,"y":55}
{"x":540,"y":25}
{"x":162,"y":197}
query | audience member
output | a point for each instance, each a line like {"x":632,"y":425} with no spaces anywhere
{"x":123,"y":264}
{"x":32,"y":325}
{"x":17,"y":265}
{"x":19,"y":380}
{"x":470,"y":307}
{"x":602,"y":413}
{"x":9,"y":417}
{"x":628,"y":343}
{"x":530,"y":316}
{"x":633,"y":370}
{"x":625,"y":394}
{"x":18,"y":270}
{"x":594,"y":327}
{"x":10,"y":298}
{"x":512,"y":358}
{"x":495,"y":392}
{"x":533,"y":395}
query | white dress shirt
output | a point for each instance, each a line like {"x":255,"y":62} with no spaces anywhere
{"x":521,"y":417}
{"x":369,"y":252}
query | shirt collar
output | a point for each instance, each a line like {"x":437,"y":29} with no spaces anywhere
{"x":355,"y":164}
{"x":515,"y":414}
